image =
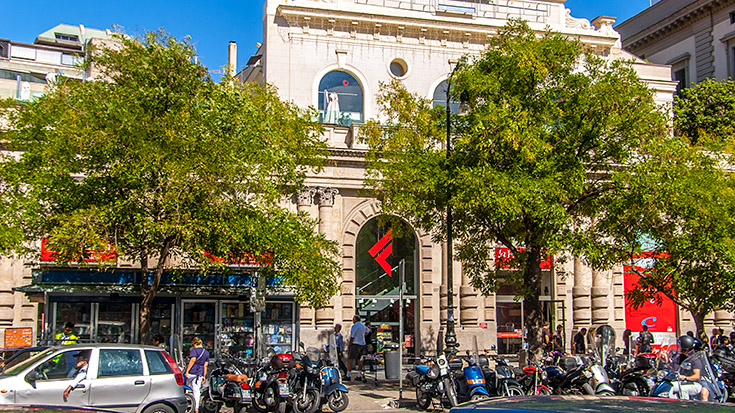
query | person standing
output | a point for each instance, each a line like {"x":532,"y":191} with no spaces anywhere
{"x":559,"y":339}
{"x":715,"y":339}
{"x":644,"y":340}
{"x":66,"y":336}
{"x":626,"y":341}
{"x":196,"y":370}
{"x":356,"y":346}
{"x":578,"y":343}
{"x":339,"y":345}
{"x":546,"y":336}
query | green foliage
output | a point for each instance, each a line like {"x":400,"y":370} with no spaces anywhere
{"x":705,"y":113}
{"x":159,"y":160}
{"x":530,"y":160}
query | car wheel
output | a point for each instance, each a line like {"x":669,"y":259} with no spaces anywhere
{"x":189,"y":402}
{"x":159,"y":408}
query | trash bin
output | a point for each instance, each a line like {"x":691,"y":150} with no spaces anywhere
{"x":392,"y":360}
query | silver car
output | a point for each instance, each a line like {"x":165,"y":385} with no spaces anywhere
{"x":120,"y":377}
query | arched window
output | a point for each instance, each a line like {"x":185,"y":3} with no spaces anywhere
{"x":340,"y":99}
{"x":381,"y":244}
{"x":440,"y":98}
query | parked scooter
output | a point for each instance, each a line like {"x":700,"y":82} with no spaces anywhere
{"x":228,"y":386}
{"x":502,"y":381}
{"x":333,"y":392}
{"x":571,"y":376}
{"x":601,"y":341}
{"x":305,"y":382}
{"x":270,"y":386}
{"x":433,"y":380}
{"x":471,"y":384}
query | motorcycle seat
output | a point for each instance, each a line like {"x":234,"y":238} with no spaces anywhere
{"x":238,"y":378}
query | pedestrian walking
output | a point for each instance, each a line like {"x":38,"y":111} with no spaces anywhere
{"x":559,"y":339}
{"x":626,"y":341}
{"x":644,"y":340}
{"x":578,"y":344}
{"x":546,"y":336}
{"x":196,"y":370}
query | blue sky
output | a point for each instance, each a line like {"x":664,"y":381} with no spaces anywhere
{"x":211,"y":24}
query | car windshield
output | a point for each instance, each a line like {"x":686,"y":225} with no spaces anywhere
{"x":22,"y":366}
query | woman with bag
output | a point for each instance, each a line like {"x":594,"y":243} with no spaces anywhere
{"x":196,"y":370}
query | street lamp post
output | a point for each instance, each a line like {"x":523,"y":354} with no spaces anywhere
{"x":450,"y":339}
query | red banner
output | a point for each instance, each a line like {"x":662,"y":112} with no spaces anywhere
{"x":661,"y":319}
{"x":504,"y":255}
{"x":509,"y":335}
{"x":247,"y":260}
{"x":48,"y":255}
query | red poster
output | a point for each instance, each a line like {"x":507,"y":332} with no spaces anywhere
{"x":660,"y":319}
{"x":48,"y":255}
{"x":503,"y":255}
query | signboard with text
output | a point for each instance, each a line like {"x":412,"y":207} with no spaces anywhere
{"x":18,"y":337}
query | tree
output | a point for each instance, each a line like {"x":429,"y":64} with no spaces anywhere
{"x":171,"y":169}
{"x":705,"y":113}
{"x":678,"y":210}
{"x":529,"y":161}
{"x":679,"y":207}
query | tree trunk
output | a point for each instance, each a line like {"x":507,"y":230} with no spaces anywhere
{"x":698,"y":317}
{"x":148,"y":294}
{"x":532,"y":304}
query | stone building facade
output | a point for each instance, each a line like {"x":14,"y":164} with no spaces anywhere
{"x":697,"y":39}
{"x":319,"y":53}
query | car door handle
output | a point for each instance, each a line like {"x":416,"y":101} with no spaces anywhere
{"x":80,"y":386}
{"x":139,"y":382}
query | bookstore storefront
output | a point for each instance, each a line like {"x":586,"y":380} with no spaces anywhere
{"x":105,"y":308}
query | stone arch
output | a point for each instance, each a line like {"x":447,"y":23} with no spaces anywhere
{"x":427,"y":300}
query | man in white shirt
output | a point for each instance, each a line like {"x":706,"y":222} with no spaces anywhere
{"x":357,"y":344}
{"x":79,"y":373}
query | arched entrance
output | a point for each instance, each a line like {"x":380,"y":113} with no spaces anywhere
{"x":381,"y":243}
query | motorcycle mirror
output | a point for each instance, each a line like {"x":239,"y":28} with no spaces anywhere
{"x":301,"y":345}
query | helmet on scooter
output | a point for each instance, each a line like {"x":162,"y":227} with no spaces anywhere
{"x":698,"y":345}
{"x":687,"y":343}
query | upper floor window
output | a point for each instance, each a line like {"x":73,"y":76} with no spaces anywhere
{"x":67,"y":37}
{"x":340,"y":99}
{"x":440,"y":98}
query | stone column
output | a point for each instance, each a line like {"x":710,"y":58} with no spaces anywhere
{"x":581,"y":302}
{"x":601,"y":281}
{"x":304,"y":199}
{"x":325,"y":199}
{"x":469,"y":303}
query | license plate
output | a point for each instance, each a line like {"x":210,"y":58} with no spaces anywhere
{"x":283,"y":389}
{"x":245,"y":394}
{"x":587,"y":374}
{"x":476,"y":381}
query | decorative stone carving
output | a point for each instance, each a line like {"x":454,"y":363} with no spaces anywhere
{"x":326,"y":196}
{"x":305,"y":196}
{"x":575,"y":23}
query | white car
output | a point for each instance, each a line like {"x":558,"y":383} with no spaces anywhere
{"x":120,"y":377}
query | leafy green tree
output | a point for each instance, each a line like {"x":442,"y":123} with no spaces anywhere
{"x":705,"y":113}
{"x":679,"y":210}
{"x":546,"y":125}
{"x":168,"y":167}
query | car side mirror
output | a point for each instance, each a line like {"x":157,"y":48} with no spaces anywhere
{"x":31,"y":378}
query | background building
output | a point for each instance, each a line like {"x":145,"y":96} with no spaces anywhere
{"x":697,"y":38}
{"x":333,"y":55}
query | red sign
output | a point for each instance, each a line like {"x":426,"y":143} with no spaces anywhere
{"x":659,"y":318}
{"x":48,"y":255}
{"x":503,"y":256}
{"x":382,"y":250}
{"x":483,"y":325}
{"x":510,"y":334}
{"x":246,"y":260}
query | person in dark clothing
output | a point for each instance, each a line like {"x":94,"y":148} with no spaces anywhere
{"x":546,"y":337}
{"x":644,"y":340}
{"x":559,"y":339}
{"x":626,"y":341}
{"x":578,"y":344}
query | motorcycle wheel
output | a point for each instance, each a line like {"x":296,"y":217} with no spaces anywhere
{"x":423,"y":399}
{"x":207,"y":405}
{"x":477,"y":396}
{"x":606,"y":394}
{"x":635,"y":388}
{"x":338,"y":401}
{"x":258,"y":404}
{"x":588,"y":389}
{"x":189,"y":402}
{"x":451,"y":392}
{"x":513,"y":390}
{"x":307,"y":404}
{"x":281,"y":407}
{"x":543,"y":391}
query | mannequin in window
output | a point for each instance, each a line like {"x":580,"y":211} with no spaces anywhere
{"x":331,"y":115}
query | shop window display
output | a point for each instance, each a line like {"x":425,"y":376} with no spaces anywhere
{"x":278,"y":327}
{"x":237,"y":335}
{"x":199,"y":321}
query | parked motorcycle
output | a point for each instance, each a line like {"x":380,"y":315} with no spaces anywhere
{"x":305,"y":382}
{"x":601,"y":341}
{"x":571,"y":376}
{"x":470,"y":380}
{"x":631,"y":381}
{"x":502,"y":381}
{"x":270,"y":384}
{"x":433,"y":380}
{"x":533,"y":380}
{"x":228,"y":386}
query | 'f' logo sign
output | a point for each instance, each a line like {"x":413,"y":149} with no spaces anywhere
{"x":382,"y":250}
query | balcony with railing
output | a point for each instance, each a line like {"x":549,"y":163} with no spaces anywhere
{"x":490,"y":9}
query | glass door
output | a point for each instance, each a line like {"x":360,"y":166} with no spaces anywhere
{"x":198,"y":320}
{"x":236,"y":333}
{"x":113,"y":322}
{"x":510,"y":327}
